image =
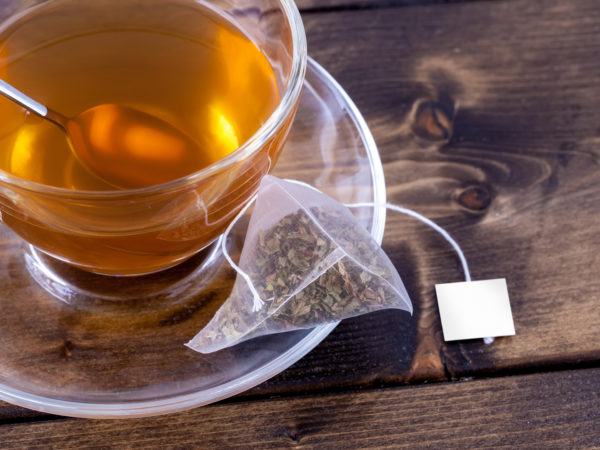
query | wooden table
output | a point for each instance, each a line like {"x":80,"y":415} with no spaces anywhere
{"x":487,"y":117}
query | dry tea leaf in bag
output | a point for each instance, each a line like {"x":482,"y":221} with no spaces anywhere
{"x":306,"y":261}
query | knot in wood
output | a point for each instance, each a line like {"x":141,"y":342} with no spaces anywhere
{"x":292,"y":433}
{"x":432,"y":121}
{"x":475,"y":198}
{"x":68,"y":348}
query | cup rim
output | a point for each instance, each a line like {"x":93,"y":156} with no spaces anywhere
{"x":284,"y":108}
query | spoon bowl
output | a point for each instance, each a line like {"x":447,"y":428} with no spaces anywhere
{"x":129,"y":148}
{"x":123,"y":146}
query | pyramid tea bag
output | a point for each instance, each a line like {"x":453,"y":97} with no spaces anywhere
{"x":306,"y":261}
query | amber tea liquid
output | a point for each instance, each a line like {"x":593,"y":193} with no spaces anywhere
{"x":185,"y":65}
{"x":180,"y":62}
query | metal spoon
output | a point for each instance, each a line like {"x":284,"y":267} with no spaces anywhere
{"x":125,"y":147}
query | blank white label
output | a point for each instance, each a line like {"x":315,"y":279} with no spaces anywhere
{"x":475,"y":309}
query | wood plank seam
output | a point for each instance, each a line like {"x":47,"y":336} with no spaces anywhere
{"x":320,"y":7}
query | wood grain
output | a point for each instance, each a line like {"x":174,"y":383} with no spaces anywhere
{"x":487,"y":124}
{"x":553,"y":410}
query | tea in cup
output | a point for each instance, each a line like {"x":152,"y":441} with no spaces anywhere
{"x":228,"y":74}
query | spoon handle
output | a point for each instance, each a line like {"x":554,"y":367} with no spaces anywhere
{"x":26,"y":102}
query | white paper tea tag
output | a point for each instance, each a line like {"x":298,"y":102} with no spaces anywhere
{"x":475,"y":309}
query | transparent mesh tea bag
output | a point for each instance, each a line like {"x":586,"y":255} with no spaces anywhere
{"x":306,"y":261}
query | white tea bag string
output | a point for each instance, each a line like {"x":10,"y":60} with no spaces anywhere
{"x":258,"y":302}
{"x":426,"y":221}
{"x":436,"y":227}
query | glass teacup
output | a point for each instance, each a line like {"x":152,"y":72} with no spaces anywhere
{"x":144,"y":230}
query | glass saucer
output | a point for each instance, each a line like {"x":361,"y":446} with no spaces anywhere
{"x":131,"y":361}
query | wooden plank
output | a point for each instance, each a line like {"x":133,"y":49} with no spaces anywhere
{"x":487,"y":122}
{"x":552,"y":410}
